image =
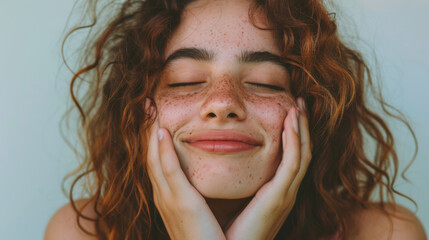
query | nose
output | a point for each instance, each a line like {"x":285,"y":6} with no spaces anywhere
{"x":223,"y":102}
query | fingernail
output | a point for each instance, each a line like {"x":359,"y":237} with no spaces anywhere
{"x":160,"y":135}
{"x":295,"y":120}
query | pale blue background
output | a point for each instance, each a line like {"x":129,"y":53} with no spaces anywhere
{"x":33,"y":97}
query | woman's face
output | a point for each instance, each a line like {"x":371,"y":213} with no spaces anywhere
{"x":223,"y":97}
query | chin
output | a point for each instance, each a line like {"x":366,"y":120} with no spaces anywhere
{"x":226,"y":187}
{"x":216,"y":189}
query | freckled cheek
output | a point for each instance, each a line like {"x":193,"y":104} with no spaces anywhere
{"x":271,"y":112}
{"x":174,"y":110}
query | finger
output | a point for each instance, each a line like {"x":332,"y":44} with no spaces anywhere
{"x":305,"y":144}
{"x":153,"y":163}
{"x":304,"y":135}
{"x":290,"y":163}
{"x":174,"y":175}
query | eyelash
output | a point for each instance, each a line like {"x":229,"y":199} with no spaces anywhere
{"x":272,"y":87}
{"x":184,"y":84}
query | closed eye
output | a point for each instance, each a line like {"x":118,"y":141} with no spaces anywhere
{"x":272,"y":87}
{"x":184,"y":84}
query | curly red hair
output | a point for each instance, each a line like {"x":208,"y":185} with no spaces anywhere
{"x":121,"y":68}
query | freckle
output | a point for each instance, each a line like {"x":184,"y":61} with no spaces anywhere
{"x":260,"y":178}
{"x":239,"y":182}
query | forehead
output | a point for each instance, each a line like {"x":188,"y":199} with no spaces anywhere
{"x":222,"y":27}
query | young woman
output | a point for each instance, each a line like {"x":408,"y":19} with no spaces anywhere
{"x":232,"y":119}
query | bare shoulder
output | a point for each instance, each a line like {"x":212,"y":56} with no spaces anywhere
{"x":63,"y":225}
{"x":398,"y":223}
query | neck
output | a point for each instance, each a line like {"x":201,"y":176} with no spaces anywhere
{"x":226,"y":210}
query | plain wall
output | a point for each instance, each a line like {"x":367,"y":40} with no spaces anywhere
{"x":34,"y":95}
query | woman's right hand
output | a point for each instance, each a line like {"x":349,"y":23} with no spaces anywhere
{"x":183,"y":209}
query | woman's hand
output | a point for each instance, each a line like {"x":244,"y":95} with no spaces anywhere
{"x":184,"y":211}
{"x":269,"y":208}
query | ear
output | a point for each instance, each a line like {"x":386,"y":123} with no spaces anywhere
{"x":149,"y":107}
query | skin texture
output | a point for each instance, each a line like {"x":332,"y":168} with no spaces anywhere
{"x":225,"y":100}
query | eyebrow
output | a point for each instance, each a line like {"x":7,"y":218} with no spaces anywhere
{"x":192,"y":53}
{"x":200,"y":54}
{"x":258,"y":57}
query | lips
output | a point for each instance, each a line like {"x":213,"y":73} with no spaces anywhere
{"x":222,"y":141}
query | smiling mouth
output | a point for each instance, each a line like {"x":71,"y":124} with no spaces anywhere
{"x":222,"y":141}
{"x":222,"y":146}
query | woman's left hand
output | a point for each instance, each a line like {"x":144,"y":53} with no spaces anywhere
{"x":269,"y":208}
